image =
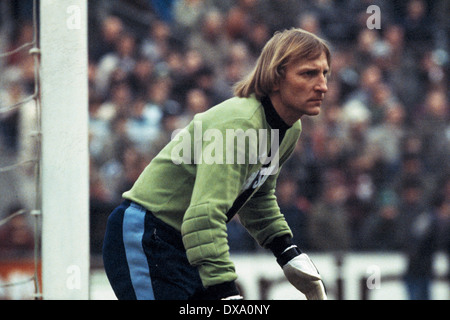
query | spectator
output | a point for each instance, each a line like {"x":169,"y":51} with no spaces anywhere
{"x":100,"y":202}
{"x":310,"y":22}
{"x":433,"y":126}
{"x":143,"y":73}
{"x":196,"y":101}
{"x":121,"y":61}
{"x":431,"y":69}
{"x":105,"y":41}
{"x":418,"y":228}
{"x":12,"y":93}
{"x":385,"y":140}
{"x":144,"y":124}
{"x":380,"y":229}
{"x":117,"y":103}
{"x":239,"y":240}
{"x":419,"y":28}
{"x":258,"y":35}
{"x":216,"y":88}
{"x":272,"y":10}
{"x":393,"y":40}
{"x":412,"y":165}
{"x":109,"y":166}
{"x":211,"y":42}
{"x":288,"y":200}
{"x":365,"y":50}
{"x":159,"y":96}
{"x":188,"y":14}
{"x":157,"y":44}
{"x":184,"y":78}
{"x":16,"y":237}
{"x":328,"y":225}
{"x":442,"y":206}
{"x":99,"y":130}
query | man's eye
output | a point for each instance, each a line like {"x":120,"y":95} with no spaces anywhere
{"x":309,"y":73}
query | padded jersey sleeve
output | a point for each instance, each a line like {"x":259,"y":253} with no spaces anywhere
{"x":261,"y":215}
{"x":204,"y":230}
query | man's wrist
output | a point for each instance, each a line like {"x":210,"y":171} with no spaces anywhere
{"x":217,"y":292}
{"x":289,"y":254}
{"x":284,"y":249}
{"x":223,"y":290}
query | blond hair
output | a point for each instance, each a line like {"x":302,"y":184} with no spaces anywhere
{"x":283,"y":48}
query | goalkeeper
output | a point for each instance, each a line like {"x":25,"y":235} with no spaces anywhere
{"x":168,"y":239}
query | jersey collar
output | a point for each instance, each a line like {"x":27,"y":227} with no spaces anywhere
{"x":272,"y":116}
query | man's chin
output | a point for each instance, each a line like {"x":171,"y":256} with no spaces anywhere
{"x":314,"y":111}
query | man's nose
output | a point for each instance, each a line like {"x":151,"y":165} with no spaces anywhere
{"x":322,"y":84}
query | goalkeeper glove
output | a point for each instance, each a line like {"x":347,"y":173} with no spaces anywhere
{"x":299,"y":269}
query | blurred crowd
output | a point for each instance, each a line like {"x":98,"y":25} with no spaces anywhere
{"x":370,"y":173}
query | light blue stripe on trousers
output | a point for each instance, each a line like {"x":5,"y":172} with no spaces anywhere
{"x":133,"y":232}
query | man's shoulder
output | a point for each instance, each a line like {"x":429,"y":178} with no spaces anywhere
{"x":234,"y":110}
{"x":239,"y":107}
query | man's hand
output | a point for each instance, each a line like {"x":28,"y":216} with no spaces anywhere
{"x":303,"y":275}
{"x":298,"y":268}
{"x":238,"y":297}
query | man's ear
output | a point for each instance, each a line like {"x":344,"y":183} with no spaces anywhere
{"x":280,"y":73}
{"x":276,"y":86}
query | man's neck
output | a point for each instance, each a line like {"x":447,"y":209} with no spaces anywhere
{"x":288,"y":117}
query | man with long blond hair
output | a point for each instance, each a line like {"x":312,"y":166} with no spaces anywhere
{"x":168,"y":239}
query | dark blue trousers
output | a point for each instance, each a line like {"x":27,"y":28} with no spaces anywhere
{"x":145,"y":259}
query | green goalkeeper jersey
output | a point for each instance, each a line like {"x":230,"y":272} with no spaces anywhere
{"x":224,"y":163}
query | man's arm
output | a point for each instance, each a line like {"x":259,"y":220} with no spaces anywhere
{"x":261,"y":215}
{"x":204,"y":229}
{"x":263,"y":219}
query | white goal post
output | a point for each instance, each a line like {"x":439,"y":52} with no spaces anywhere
{"x":65,"y":155}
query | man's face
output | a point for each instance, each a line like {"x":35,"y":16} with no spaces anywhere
{"x":302,"y":89}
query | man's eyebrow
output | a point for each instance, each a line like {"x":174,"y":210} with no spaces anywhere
{"x":313,"y":68}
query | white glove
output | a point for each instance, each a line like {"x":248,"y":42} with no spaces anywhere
{"x":237,"y":297}
{"x":303,"y":275}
